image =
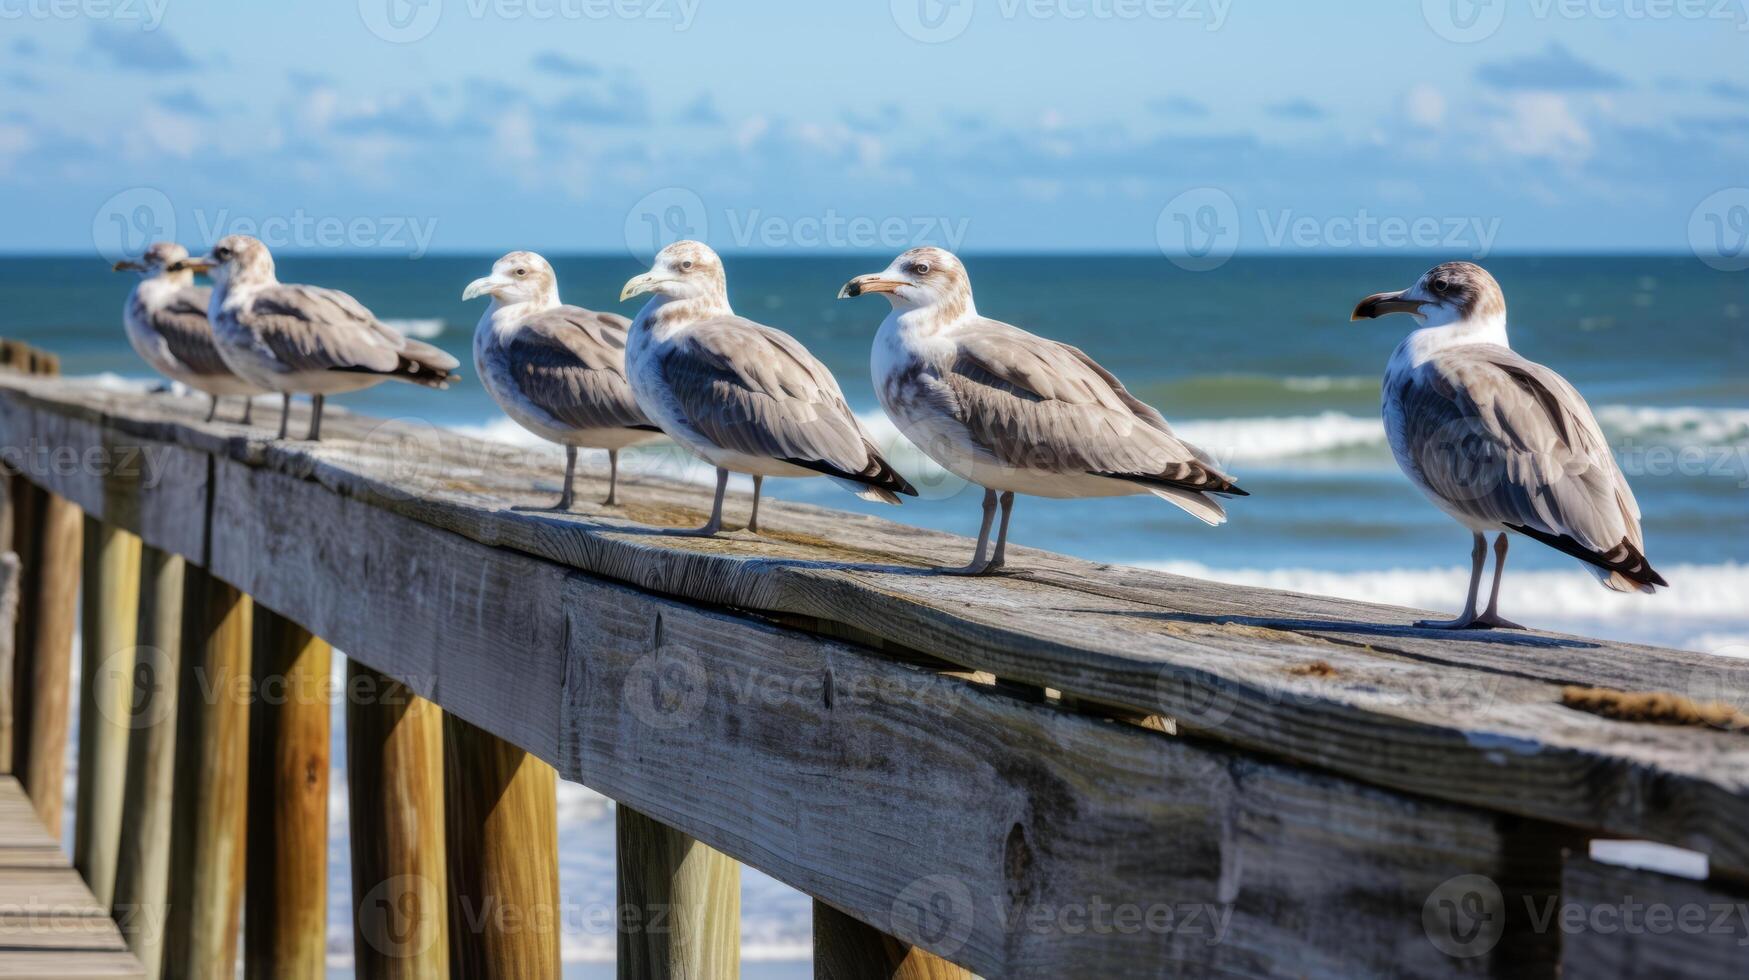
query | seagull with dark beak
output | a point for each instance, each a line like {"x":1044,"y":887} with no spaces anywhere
{"x":1501,"y":443}
{"x":307,"y":340}
{"x":165,"y":319}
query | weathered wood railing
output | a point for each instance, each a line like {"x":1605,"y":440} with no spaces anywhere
{"x":1073,"y":770}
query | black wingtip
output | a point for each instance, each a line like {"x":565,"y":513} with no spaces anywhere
{"x":1625,"y":559}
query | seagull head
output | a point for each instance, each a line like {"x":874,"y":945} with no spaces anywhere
{"x":923,"y":278}
{"x":156,"y":261}
{"x":520,"y":277}
{"x":682,"y":271}
{"x":1455,"y":292}
{"x":235,"y":258}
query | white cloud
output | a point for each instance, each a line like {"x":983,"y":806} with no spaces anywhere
{"x":1424,"y":105}
{"x":1542,"y":125}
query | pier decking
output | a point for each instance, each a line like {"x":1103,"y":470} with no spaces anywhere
{"x":962,"y":772}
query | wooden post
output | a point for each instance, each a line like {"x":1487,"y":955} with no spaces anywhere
{"x":394,"y":769}
{"x":8,"y":620}
{"x":847,"y":949}
{"x":287,"y":881}
{"x":109,"y":623}
{"x":679,"y":904}
{"x":210,"y":818}
{"x":42,"y":663}
{"x":501,"y":820}
{"x":143,"y":861}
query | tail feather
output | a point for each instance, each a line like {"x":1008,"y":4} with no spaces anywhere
{"x":877,"y":480}
{"x":1195,"y":503}
{"x":1623,"y":568}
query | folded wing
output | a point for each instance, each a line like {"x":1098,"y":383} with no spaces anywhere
{"x":571,"y":362}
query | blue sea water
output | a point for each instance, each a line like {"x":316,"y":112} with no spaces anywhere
{"x":1255,"y":361}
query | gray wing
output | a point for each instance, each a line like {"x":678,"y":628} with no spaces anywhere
{"x":1039,"y":404}
{"x":183,"y":326}
{"x":756,"y":390}
{"x":309,"y":328}
{"x":571,"y":362}
{"x":1506,"y":440}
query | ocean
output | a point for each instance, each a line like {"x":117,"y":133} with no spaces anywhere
{"x":1256,"y":361}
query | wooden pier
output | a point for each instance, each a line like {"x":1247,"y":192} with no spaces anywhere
{"x":1069,"y":770}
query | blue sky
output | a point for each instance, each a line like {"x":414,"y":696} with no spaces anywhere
{"x":1452,"y":126}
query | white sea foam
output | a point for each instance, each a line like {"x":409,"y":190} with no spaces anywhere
{"x":424,"y":329}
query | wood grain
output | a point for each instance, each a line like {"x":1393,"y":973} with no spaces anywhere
{"x":501,"y":821}
{"x":394,"y":770}
{"x":679,"y":904}
{"x":1470,"y":719}
{"x":42,"y":667}
{"x":846,"y":949}
{"x":143,"y":867}
{"x":210,"y":820}
{"x":1626,"y":923}
{"x":109,"y":627}
{"x":286,"y":891}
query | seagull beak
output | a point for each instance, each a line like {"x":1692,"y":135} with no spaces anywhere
{"x":192,"y":265}
{"x":1384,"y":304}
{"x":639,"y":285}
{"x":127,"y":265}
{"x":482,"y":286}
{"x":869,"y":284}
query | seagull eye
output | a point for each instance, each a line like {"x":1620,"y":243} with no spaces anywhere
{"x":1441,"y":285}
{"x":521,"y":272}
{"x":221,"y":254}
{"x":921,"y":268}
{"x":686,"y":266}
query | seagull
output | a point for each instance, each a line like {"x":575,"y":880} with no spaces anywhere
{"x":1502,"y":443}
{"x":305,"y":339}
{"x":557,"y":371}
{"x":1013,"y":412}
{"x":165,"y":317}
{"x":743,"y":396}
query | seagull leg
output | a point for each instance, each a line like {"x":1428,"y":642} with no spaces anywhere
{"x":1478,"y":558}
{"x":212,"y":410}
{"x":979,"y":564}
{"x":715,"y":524}
{"x":753,"y":521}
{"x":1491,"y":617}
{"x":998,"y":560}
{"x":612,"y":478}
{"x":284,"y":414}
{"x":315,"y":418}
{"x":566,"y":496}
{"x":248,"y":409}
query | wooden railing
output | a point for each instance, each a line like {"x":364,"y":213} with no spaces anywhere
{"x":1071,"y":770}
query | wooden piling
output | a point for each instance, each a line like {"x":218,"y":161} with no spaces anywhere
{"x":501,"y":821}
{"x":394,"y":768}
{"x":143,"y":859}
{"x":42,"y":663}
{"x":211,"y":781}
{"x":109,"y":620}
{"x":287,"y":881}
{"x":679,"y":904}
{"x":8,"y":620}
{"x":847,"y":949}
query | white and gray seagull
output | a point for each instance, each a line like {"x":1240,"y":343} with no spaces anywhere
{"x":1502,"y":443}
{"x":1013,"y":412}
{"x":558,"y":371}
{"x":743,"y":396}
{"x":308,"y":340}
{"x":166,"y":322}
